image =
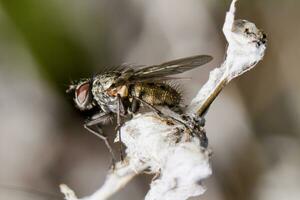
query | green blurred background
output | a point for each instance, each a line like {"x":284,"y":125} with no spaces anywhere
{"x":253,"y":127}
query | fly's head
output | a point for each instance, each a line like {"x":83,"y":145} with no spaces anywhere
{"x":83,"y":94}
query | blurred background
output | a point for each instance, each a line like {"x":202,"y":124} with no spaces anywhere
{"x":253,"y":126}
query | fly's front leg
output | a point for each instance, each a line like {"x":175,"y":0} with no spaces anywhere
{"x":96,"y":120}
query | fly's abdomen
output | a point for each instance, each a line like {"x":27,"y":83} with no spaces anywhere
{"x":157,"y":93}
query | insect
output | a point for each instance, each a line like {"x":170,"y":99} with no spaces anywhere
{"x":119,"y":92}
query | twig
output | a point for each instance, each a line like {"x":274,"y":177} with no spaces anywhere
{"x":246,"y":47}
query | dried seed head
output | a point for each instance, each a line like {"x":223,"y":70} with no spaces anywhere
{"x":244,"y":28}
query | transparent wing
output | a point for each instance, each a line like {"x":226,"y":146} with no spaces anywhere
{"x":172,"y":67}
{"x":161,"y":72}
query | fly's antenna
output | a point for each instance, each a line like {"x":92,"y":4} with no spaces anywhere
{"x":30,"y":191}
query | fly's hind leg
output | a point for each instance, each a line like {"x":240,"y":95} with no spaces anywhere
{"x":135,"y":99}
{"x":159,"y":113}
{"x":96,"y":120}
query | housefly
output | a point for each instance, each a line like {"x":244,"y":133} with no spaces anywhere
{"x":118,"y":92}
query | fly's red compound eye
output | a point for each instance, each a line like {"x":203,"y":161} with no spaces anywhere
{"x":82,"y":93}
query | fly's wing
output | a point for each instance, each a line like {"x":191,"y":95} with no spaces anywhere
{"x":160,"y":72}
{"x":172,"y":67}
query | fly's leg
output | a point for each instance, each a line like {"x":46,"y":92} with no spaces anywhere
{"x":135,"y":105}
{"x":95,"y":121}
{"x":159,"y":113}
{"x":149,"y":106}
{"x":100,"y":135}
{"x":119,"y":124}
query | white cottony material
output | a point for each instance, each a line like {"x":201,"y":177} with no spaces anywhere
{"x":154,"y":144}
{"x":164,"y":147}
{"x":182,"y":174}
{"x":181,"y":165}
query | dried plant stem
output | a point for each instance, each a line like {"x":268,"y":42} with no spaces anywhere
{"x":158,"y":144}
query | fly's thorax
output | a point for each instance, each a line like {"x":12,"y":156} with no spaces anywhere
{"x":103,"y":82}
{"x":104,"y":92}
{"x":105,"y":101}
{"x":121,"y":90}
{"x":157,"y":93}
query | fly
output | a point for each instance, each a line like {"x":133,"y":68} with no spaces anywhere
{"x":119,"y":92}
